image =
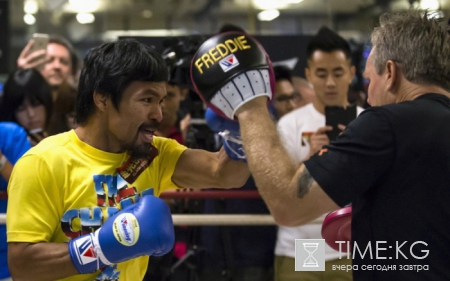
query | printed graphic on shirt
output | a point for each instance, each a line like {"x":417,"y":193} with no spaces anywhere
{"x":113,"y":194}
{"x":306,"y":136}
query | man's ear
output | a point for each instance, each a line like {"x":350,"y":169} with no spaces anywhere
{"x":391,"y":71}
{"x":308,"y":74}
{"x":352,"y":73}
{"x":100,"y":101}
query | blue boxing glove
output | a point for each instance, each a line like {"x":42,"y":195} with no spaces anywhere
{"x":144,"y":228}
{"x":229,"y":131}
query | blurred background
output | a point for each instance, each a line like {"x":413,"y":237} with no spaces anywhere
{"x":87,"y":23}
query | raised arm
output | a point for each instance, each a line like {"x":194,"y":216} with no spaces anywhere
{"x":202,"y":169}
{"x":291,"y":194}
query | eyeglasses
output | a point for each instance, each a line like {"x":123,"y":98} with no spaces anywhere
{"x":295,"y":96}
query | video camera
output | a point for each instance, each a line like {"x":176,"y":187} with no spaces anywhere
{"x":178,"y":53}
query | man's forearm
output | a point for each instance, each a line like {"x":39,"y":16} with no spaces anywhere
{"x":232,"y":173}
{"x":40,"y":261}
{"x":270,"y":164}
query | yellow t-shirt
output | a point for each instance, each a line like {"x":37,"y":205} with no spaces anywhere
{"x":64,"y":188}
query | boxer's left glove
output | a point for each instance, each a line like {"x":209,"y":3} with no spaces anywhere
{"x":144,"y":228}
{"x":230,"y":69}
{"x":229,"y":131}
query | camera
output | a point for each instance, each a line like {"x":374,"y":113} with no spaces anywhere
{"x":178,"y":53}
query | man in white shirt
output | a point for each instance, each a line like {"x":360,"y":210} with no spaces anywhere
{"x":303,"y":132}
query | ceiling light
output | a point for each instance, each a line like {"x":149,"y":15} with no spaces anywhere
{"x":268,"y":15}
{"x":269,"y":4}
{"x":147,"y":14}
{"x":29,"y":19}
{"x":30,"y":7}
{"x":432,"y":5}
{"x":292,"y":1}
{"x":85,"y":18}
{"x":85,"y":6}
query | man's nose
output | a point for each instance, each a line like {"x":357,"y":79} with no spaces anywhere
{"x":292,"y":104}
{"x":330,"y":81}
{"x":156,"y":113}
{"x":56,"y":64}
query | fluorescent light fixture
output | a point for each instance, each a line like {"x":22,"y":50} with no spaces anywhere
{"x":292,"y":1}
{"x":112,"y":35}
{"x":30,"y":7}
{"x":432,"y":5}
{"x":269,"y":4}
{"x":147,"y":14}
{"x":29,"y":19}
{"x":85,"y":6}
{"x":268,"y":15}
{"x":85,"y":18}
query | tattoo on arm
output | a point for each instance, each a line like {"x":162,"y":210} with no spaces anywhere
{"x":304,"y":183}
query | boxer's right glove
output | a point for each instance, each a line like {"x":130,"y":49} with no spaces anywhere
{"x":229,"y":131}
{"x":230,"y":69}
{"x":144,"y":228}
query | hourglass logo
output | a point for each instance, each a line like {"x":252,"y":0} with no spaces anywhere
{"x":309,"y":255}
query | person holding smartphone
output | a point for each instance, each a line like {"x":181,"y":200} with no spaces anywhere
{"x":54,"y":57}
{"x":303,"y":131}
{"x":57,"y":61}
{"x":27,"y":101}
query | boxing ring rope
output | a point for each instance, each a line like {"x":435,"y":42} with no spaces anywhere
{"x":211,"y":194}
{"x":211,"y":219}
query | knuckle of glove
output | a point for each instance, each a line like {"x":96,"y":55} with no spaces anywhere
{"x":218,"y":123}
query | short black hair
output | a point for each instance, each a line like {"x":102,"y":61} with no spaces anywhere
{"x":74,"y":58}
{"x":282,"y":73}
{"x":230,"y":27}
{"x":22,"y":84}
{"x":110,"y":68}
{"x":328,"y":41}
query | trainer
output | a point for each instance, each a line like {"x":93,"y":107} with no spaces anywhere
{"x":392,"y":162}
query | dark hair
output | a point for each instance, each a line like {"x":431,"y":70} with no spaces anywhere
{"x":74,"y":59}
{"x":22,"y":84}
{"x":282,"y":73}
{"x":328,"y":41}
{"x":230,"y":27}
{"x":110,"y":68}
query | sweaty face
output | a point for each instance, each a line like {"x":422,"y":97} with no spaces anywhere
{"x":138,"y":116}
{"x":330,"y":74}
{"x":31,"y":115}
{"x":377,"y":92}
{"x":286,"y":99}
{"x":58,"y":65}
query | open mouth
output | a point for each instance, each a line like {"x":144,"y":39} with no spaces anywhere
{"x":147,"y":133}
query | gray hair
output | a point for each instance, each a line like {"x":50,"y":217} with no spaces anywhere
{"x":417,"y":43}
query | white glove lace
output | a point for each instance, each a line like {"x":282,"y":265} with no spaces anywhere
{"x":229,"y":138}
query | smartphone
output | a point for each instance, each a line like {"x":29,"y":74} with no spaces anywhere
{"x":335,"y":115}
{"x":36,"y":134}
{"x":40,"y":42}
{"x":36,"y":131}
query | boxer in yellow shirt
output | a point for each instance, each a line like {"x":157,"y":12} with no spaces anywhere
{"x":82,"y":204}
